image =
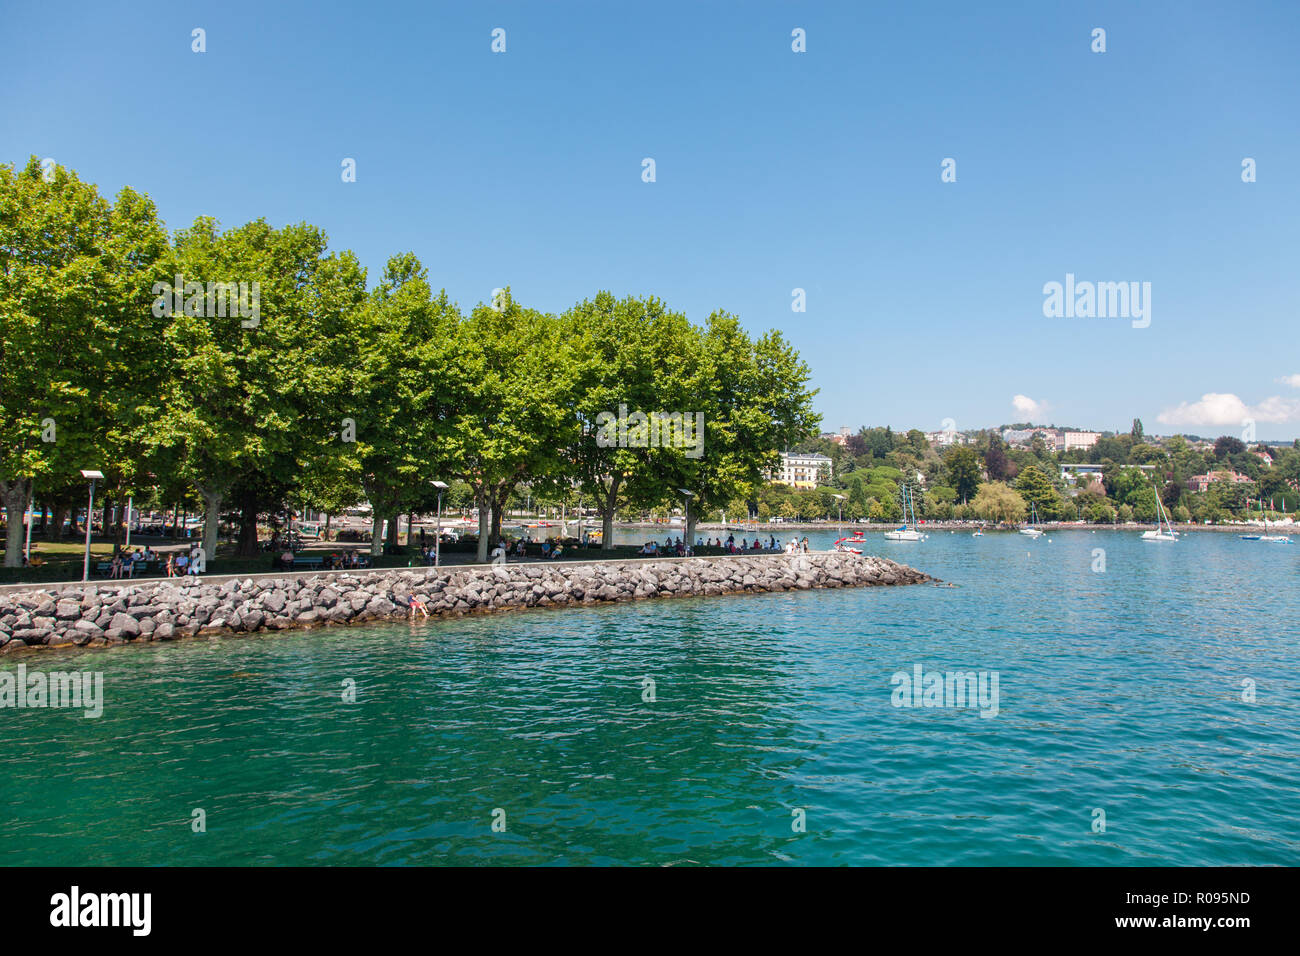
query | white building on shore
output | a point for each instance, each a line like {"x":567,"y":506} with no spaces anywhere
{"x":1075,"y":440}
{"x":801,"y":470}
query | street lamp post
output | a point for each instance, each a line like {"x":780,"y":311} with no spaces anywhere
{"x":840,"y":501}
{"x":92,"y":477}
{"x":437,"y":533}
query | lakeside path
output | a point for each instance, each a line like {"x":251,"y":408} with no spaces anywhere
{"x":99,"y":615}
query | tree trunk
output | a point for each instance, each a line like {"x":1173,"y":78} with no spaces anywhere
{"x":608,"y":506}
{"x":484,"y":524}
{"x":691,"y":518}
{"x":117,"y":524}
{"x":105,"y":502}
{"x":376,"y":533}
{"x":394,"y":531}
{"x":60,"y":515}
{"x":247,"y":526}
{"x":211,"y":521}
{"x":498,"y":507}
{"x":14,"y":494}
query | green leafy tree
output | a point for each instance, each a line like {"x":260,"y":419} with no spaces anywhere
{"x":401,"y":394}
{"x":755,"y":400}
{"x":629,"y":356}
{"x":76,"y":332}
{"x":515,"y":413}
{"x":1034,"y":486}
{"x":962,"y":469}
{"x":998,"y":502}
{"x":253,"y":398}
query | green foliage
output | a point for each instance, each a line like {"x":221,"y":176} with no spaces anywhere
{"x":962,"y":468}
{"x":998,"y":502}
{"x":332,"y":394}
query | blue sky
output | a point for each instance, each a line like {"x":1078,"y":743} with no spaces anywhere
{"x":775,"y":170}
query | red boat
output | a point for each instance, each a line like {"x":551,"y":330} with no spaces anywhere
{"x":846,"y":544}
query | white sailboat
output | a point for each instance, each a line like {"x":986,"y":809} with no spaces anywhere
{"x":1164,"y":530}
{"x":907,"y":531}
{"x":1273,"y":538}
{"x":1033,"y":530}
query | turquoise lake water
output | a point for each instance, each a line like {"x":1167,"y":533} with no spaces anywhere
{"x":1120,"y":691}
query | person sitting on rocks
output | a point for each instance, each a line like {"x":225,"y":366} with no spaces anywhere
{"x":415,"y":604}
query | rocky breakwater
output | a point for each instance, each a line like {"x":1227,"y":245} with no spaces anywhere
{"x":104,"y":614}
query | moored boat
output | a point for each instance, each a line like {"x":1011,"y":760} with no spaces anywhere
{"x":1033,"y":531}
{"x":1164,"y":530}
{"x":907,"y":530}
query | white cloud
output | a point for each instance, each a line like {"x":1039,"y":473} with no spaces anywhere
{"x":1292,"y":380}
{"x":1028,"y":407}
{"x":1227,"y":409}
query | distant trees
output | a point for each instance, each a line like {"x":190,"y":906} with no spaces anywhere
{"x":963,"y":471}
{"x":996,"y":463}
{"x":1226,"y":445}
{"x":998,"y":502}
{"x":1036,"y":488}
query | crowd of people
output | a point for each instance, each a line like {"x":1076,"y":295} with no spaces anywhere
{"x":125,"y":564}
{"x":730,"y":545}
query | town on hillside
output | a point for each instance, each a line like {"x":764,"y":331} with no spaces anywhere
{"x":1063,"y":474}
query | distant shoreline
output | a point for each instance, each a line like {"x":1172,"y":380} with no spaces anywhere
{"x":849,"y":529}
